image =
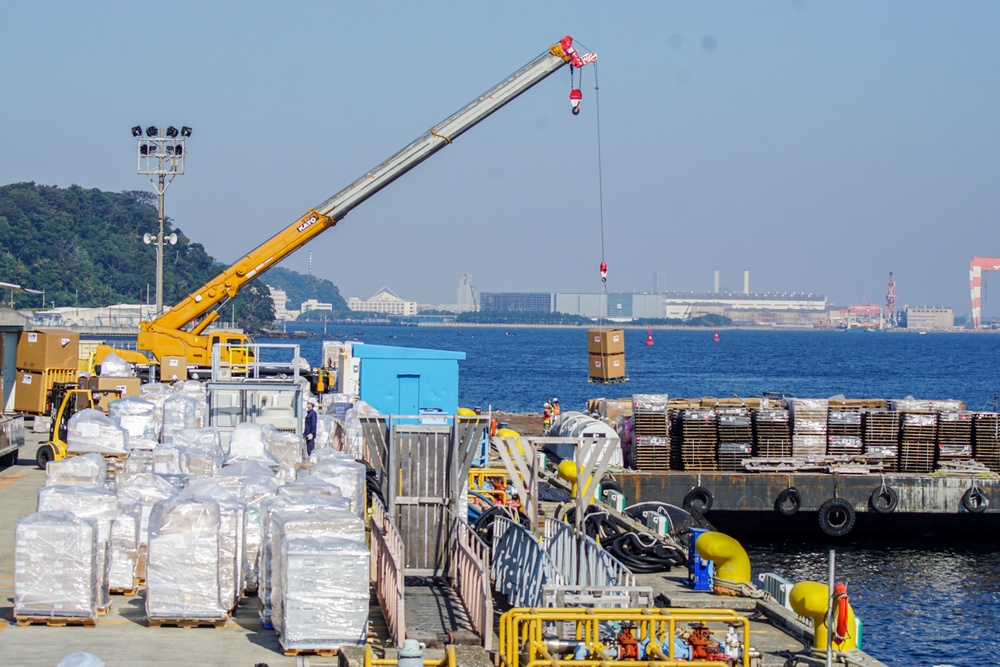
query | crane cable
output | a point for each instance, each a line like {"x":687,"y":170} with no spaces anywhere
{"x":600,"y":192}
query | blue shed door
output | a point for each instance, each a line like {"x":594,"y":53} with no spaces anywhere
{"x":409,"y":394}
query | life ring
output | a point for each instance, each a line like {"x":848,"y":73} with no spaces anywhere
{"x":884,"y":500}
{"x":836,"y":517}
{"x":840,"y":601}
{"x":975,"y":501}
{"x":788,"y":502}
{"x":698,"y":498}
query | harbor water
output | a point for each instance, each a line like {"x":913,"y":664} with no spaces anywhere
{"x":922,"y":604}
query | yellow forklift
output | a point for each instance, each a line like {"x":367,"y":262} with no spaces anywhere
{"x":66,"y":399}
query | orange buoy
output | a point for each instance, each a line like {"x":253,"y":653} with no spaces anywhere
{"x":715,"y":338}
{"x":649,"y":337}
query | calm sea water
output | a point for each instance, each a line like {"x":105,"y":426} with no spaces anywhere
{"x":922,"y":604}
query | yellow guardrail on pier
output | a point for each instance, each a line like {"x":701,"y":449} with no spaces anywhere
{"x":526,"y":641}
{"x":448,"y":660}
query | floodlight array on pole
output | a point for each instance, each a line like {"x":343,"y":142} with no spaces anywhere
{"x":161,"y":153}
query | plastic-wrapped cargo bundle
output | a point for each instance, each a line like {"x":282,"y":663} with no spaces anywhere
{"x":146,"y":489}
{"x":182,"y":572}
{"x":201,"y":452}
{"x":287,"y":448}
{"x":156,"y":393}
{"x":114,"y":366}
{"x":324,"y":592}
{"x":86,"y":470}
{"x":179,"y":412}
{"x":139,"y":461}
{"x":56,"y":567}
{"x":232,"y":537}
{"x":354,"y":439}
{"x":88,"y":502}
{"x":90,"y":431}
{"x":247,"y":444}
{"x":329,"y":433}
{"x":205,"y":437}
{"x":309,"y":486}
{"x":138,"y":417}
{"x":288,"y":524}
{"x":125,"y":548}
{"x":267,"y":509}
{"x":254,"y":491}
{"x":348,"y":476}
{"x":167,"y":459}
{"x":197,"y":391}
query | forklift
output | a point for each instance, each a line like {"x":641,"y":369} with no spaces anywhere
{"x":66,"y":399}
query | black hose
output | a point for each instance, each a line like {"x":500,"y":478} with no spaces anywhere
{"x":639,"y":553}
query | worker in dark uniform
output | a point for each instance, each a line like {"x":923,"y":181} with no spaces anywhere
{"x":309,"y":432}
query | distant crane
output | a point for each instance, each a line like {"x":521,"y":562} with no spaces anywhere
{"x":976,"y":268}
{"x":890,"y":303}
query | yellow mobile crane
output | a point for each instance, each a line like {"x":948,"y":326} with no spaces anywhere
{"x":182,"y":330}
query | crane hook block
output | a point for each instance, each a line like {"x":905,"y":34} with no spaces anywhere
{"x":604,"y":271}
{"x":575,"y":97}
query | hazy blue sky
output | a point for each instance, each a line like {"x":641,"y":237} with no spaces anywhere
{"x":818,"y":145}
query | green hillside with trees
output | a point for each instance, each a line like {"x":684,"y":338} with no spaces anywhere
{"x":85,"y":248}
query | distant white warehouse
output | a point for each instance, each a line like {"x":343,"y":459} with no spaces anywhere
{"x":385,"y":302}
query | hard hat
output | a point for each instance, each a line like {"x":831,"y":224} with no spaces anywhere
{"x":555,"y":400}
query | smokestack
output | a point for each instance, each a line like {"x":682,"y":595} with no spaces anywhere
{"x":746,"y":282}
{"x":716,"y":288}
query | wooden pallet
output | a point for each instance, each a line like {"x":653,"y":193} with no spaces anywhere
{"x":54,"y":621}
{"x":322,"y":652}
{"x":127,"y":592}
{"x":187,"y":623}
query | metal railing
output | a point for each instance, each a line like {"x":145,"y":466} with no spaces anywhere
{"x":470,"y":576}
{"x":780,"y":590}
{"x":581,"y":560}
{"x":533,"y":637}
{"x":520,"y":565}
{"x":387,"y":570}
{"x":449,"y":659}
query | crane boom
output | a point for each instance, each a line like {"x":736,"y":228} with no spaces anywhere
{"x":166,"y":335}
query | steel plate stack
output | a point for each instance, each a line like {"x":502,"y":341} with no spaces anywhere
{"x":954,"y":436}
{"x":809,"y":417}
{"x":881,"y":436}
{"x":987,"y":439}
{"x":652,"y":431}
{"x":735,"y":437}
{"x":917,"y":442}
{"x":772,"y":434}
{"x":699,"y":440}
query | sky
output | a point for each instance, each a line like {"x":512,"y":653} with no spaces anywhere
{"x":817,"y":145}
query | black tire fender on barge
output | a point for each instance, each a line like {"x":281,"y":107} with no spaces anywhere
{"x":836,"y":517}
{"x":884,"y":500}
{"x":788,"y":502}
{"x":698,"y":498}
{"x":975,"y":501}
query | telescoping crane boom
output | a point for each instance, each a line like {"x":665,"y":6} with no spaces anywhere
{"x":167,"y":335}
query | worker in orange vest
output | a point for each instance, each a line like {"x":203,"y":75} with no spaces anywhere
{"x":555,"y":409}
{"x":547,"y":416}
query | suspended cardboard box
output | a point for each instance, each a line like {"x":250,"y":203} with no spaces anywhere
{"x":606,"y":341}
{"x":607,"y":367}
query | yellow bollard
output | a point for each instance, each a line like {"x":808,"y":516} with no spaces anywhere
{"x":811,"y":599}
{"x":732,"y":565}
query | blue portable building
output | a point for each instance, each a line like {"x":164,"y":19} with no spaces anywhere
{"x":405,"y":380}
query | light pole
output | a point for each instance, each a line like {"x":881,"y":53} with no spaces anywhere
{"x":161,"y":154}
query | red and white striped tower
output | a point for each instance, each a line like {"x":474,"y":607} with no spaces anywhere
{"x":976,"y":268}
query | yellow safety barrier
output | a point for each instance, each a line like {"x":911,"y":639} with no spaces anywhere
{"x":485,"y":481}
{"x":448,"y":660}
{"x":525,"y":635}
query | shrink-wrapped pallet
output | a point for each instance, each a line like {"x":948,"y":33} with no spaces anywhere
{"x":287,"y":503}
{"x":247,"y":444}
{"x":156,"y":393}
{"x":182,"y":570}
{"x":287,"y":448}
{"x":308,"y":486}
{"x":138,"y":417}
{"x":179,"y":412}
{"x":289,"y":524}
{"x":113,"y":366}
{"x":354,"y":439}
{"x":139,"y":461}
{"x":125,"y":547}
{"x":56,"y":566}
{"x":88,"y":502}
{"x":146,"y":489}
{"x":200,"y":462}
{"x":204,"y":437}
{"x":85,"y":470}
{"x":232,"y":537}
{"x":328,"y":433}
{"x":254,"y":491}
{"x":323,"y":586}
{"x":91,"y":430}
{"x":196,"y":391}
{"x":349,"y":476}
{"x":167,"y":459}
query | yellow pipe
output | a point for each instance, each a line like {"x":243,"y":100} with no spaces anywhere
{"x":811,"y":599}
{"x":731,"y":561}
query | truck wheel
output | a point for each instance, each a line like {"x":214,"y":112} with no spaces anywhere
{"x":9,"y":459}
{"x":45,"y":454}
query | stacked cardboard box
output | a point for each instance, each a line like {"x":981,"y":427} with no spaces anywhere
{"x":606,"y":351}
{"x":43,"y":358}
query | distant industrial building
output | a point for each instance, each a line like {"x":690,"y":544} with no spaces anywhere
{"x":515,"y":302}
{"x":922,"y":317}
{"x":386,"y":302}
{"x":281,"y":311}
{"x":793,"y":309}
